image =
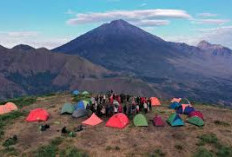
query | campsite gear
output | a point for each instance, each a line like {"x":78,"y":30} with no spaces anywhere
{"x":181,"y":109}
{"x":175,"y":120}
{"x":93,"y":120}
{"x":196,"y":114}
{"x":174,"y":105}
{"x":176,"y":100}
{"x":38,"y":114}
{"x":157,"y":121}
{"x":7,"y":108}
{"x":10,"y":141}
{"x":78,"y":128}
{"x":140,"y":120}
{"x":118,"y":120}
{"x":85,"y":93}
{"x":80,"y":113}
{"x":75,"y":92}
{"x":64,"y":130}
{"x":72,"y":134}
{"x":155,"y":101}
{"x":67,"y":109}
{"x":196,"y":121}
{"x":44,"y":127}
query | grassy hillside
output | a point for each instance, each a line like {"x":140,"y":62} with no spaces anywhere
{"x":214,"y":139}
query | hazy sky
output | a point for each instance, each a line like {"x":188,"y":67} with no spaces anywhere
{"x":50,"y":23}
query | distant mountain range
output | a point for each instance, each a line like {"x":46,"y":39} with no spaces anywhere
{"x":202,"y":73}
{"x":124,"y":58}
{"x":25,"y":70}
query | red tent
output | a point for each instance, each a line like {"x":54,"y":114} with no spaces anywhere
{"x":157,"y":121}
{"x":93,"y":120}
{"x":118,"y":120}
{"x":197,"y":114}
{"x":38,"y":114}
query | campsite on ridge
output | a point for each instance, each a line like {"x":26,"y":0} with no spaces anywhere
{"x":40,"y":129}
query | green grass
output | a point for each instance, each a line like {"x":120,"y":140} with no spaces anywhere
{"x":72,"y":152}
{"x":219,"y":150}
{"x":52,"y":150}
{"x":202,"y":152}
{"x":21,"y":101}
{"x":207,"y":139}
{"x":221,"y":123}
{"x":9,"y":118}
{"x":49,"y":150}
{"x":156,"y":153}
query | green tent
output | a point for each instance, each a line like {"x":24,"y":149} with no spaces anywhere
{"x":196,"y":121}
{"x":140,"y":120}
{"x":67,"y":108}
{"x":85,"y":93}
{"x":175,"y":120}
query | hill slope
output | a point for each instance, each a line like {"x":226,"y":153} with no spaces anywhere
{"x":26,"y":71}
{"x":132,"y":141}
{"x":173,"y":69}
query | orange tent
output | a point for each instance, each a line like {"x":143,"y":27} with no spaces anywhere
{"x":155,"y":101}
{"x":7,"y":108}
{"x":93,"y":120}
{"x":176,"y":100}
{"x":11,"y":106}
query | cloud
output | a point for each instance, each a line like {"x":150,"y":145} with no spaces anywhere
{"x":70,"y":12}
{"x":20,"y":34}
{"x":143,"y":4}
{"x":211,"y":21}
{"x":207,"y":15}
{"x":35,"y":39}
{"x":218,"y":35}
{"x":150,"y":23}
{"x":134,"y":15}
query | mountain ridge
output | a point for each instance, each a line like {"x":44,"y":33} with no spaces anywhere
{"x":174,"y":69}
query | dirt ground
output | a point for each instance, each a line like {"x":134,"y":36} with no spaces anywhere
{"x":100,"y":141}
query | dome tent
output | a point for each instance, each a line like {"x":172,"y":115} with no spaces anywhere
{"x":118,"y":120}
{"x":7,"y":108}
{"x":80,"y":113}
{"x":67,"y":108}
{"x":75,"y":92}
{"x":140,"y":120}
{"x":93,"y":120}
{"x":175,"y":120}
{"x":196,"y":121}
{"x":37,"y":114}
{"x":155,"y":101}
{"x":157,"y":121}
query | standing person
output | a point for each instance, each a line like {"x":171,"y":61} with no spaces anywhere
{"x":104,"y":99}
{"x":149,"y":104}
{"x":145,"y":107}
{"x":137,"y":108}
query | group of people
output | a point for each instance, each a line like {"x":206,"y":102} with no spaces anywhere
{"x":111,"y":103}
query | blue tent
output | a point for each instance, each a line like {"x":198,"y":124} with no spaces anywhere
{"x":174,"y":105}
{"x":188,"y":110}
{"x":175,"y":120}
{"x":76,"y":92}
{"x":79,"y":105}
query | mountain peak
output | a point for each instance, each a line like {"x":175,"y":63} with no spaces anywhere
{"x":23,"y":47}
{"x":119,"y":22}
{"x":203,"y":44}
